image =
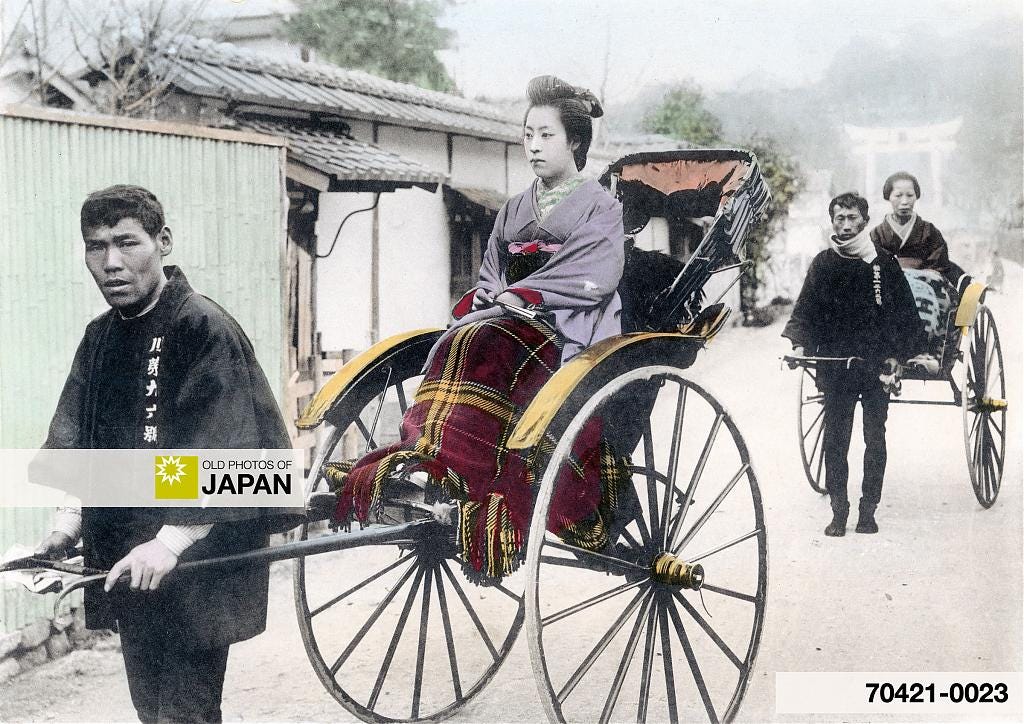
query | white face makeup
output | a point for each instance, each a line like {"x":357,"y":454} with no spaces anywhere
{"x":547,"y":146}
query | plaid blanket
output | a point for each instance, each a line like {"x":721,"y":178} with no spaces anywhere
{"x":479,"y":383}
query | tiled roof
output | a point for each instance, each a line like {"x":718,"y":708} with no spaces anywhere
{"x":345,"y":159}
{"x":222,"y":70}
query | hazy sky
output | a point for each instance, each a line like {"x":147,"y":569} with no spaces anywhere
{"x":501,"y":44}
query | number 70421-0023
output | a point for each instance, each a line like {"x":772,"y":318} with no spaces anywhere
{"x":920,"y":693}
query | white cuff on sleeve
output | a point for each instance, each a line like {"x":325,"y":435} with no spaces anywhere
{"x":178,"y":538}
{"x":69,"y":522}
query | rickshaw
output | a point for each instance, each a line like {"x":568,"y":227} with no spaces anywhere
{"x":970,"y":361}
{"x":663,"y":622}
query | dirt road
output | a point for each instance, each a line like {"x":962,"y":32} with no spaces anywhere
{"x":938,"y":589}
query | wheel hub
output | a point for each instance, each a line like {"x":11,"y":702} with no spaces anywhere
{"x":673,"y":571}
{"x":989,"y":404}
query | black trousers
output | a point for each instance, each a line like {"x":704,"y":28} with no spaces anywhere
{"x":168,"y":681}
{"x":840,"y":402}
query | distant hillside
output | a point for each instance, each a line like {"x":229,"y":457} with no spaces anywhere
{"x":927,"y":79}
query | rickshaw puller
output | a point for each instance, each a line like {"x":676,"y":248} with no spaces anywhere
{"x":164,"y":368}
{"x":855,"y":302}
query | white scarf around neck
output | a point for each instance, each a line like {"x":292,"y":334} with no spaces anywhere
{"x":859,"y":247}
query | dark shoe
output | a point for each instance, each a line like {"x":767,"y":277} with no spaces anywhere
{"x":837,"y":528}
{"x":866,"y":520}
{"x":866,"y":523}
{"x":840,"y":512}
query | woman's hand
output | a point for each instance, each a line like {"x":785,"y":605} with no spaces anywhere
{"x":510,"y":298}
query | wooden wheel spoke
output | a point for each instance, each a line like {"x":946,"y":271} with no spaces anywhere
{"x":724,"y":546}
{"x":514,"y":596}
{"x":691,"y":659}
{"x":996,"y":456}
{"x":603,"y":557}
{"x":385,"y":602}
{"x":371,"y":444}
{"x":624,"y":663}
{"x":712,"y":634}
{"x":470,"y":610}
{"x":601,"y":645}
{"x":320,"y":609}
{"x":403,"y":403}
{"x":646,"y":668}
{"x":673,"y":462}
{"x":385,"y":665}
{"x":638,"y":518}
{"x":421,"y":645}
{"x":729,"y":592}
{"x":820,"y":457}
{"x":652,"y":487}
{"x":975,"y":425}
{"x":592,"y":601}
{"x":666,"y":662}
{"x":814,"y":423}
{"x":695,"y":528}
{"x":698,"y":471}
{"x":449,"y":637}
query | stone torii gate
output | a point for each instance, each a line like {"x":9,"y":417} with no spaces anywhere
{"x":935,"y":140}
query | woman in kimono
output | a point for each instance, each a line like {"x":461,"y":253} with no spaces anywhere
{"x":558,"y":248}
{"x":924,"y":257}
{"x":915,"y":243}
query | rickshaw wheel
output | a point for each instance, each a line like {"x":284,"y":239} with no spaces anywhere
{"x":984,"y":403}
{"x":611,"y":631}
{"x":401,"y":612}
{"x":811,"y":428}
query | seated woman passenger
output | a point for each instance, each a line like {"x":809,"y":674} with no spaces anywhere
{"x":924,"y":256}
{"x":916,"y":243}
{"x":559,"y":246}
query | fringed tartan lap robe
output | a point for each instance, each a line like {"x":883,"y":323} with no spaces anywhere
{"x":480,"y":381}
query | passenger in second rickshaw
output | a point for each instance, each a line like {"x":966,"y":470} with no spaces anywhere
{"x":558,"y":248}
{"x":924,"y":256}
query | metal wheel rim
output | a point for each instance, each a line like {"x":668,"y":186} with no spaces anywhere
{"x":650,"y":608}
{"x":431,"y":581}
{"x":810,"y":428}
{"x":984,"y":431}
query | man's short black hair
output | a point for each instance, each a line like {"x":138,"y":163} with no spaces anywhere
{"x":108,"y":206}
{"x":900,"y":176}
{"x":849,"y":200}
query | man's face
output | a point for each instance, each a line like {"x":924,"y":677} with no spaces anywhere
{"x":847,"y":223}
{"x":125,"y":262}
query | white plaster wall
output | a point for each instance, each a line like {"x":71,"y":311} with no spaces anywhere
{"x":415,"y":268}
{"x":520,"y":175}
{"x":480,"y":164}
{"x":343,"y":278}
{"x":428,"y":147}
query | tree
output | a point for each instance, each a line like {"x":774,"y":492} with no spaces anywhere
{"x":681,"y":114}
{"x":396,"y":39}
{"x":115,"y":59}
{"x":782,"y":175}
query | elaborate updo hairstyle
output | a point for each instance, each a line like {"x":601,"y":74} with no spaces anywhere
{"x":900,"y":176}
{"x":576,"y":107}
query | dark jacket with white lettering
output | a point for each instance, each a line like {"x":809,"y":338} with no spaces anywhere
{"x":205,"y":389}
{"x":845,"y":310}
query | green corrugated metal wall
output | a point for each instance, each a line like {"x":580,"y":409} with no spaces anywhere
{"x":224,"y":203}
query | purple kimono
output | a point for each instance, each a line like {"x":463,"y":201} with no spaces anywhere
{"x":583,"y":245}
